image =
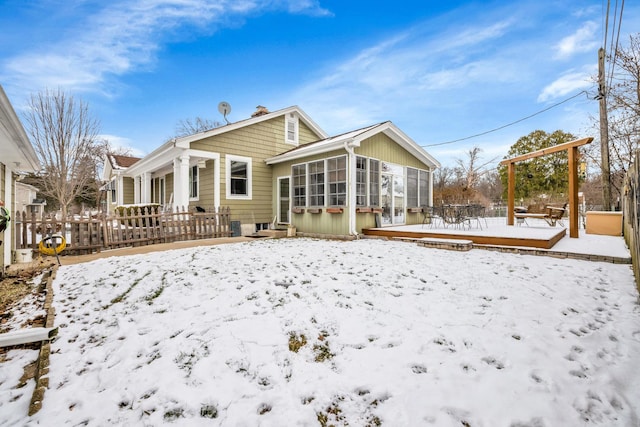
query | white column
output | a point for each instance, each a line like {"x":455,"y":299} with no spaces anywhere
{"x":8,"y":203}
{"x":181,"y":181}
{"x":136,"y":189}
{"x":146,"y":187}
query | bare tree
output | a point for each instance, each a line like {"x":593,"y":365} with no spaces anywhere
{"x":623,"y":105}
{"x":64,"y":135}
{"x":472,"y":170}
{"x":190,"y":126}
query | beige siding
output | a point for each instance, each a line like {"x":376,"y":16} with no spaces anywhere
{"x":379,"y":147}
{"x":127,"y":193}
{"x":258,"y":142}
{"x":168,"y":185}
{"x":383,"y":148}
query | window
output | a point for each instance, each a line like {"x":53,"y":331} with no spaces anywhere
{"x":316,"y":183}
{"x":417,"y":187}
{"x":374,"y":182}
{"x":193,"y":182}
{"x":361,"y":181}
{"x":291,"y":129}
{"x":238,"y":177}
{"x":112,"y":184}
{"x":299,"y":178}
{"x":337,"y":171}
{"x":424,"y":188}
{"x":412,"y":187}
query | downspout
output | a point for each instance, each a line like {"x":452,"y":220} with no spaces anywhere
{"x":349,"y":147}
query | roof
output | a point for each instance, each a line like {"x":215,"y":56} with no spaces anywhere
{"x":165,"y":150}
{"x":17,"y":151}
{"x":121,"y":162}
{"x":255,"y":119}
{"x":353,"y":139}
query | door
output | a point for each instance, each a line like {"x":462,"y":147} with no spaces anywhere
{"x":284,"y":199}
{"x":392,"y":194}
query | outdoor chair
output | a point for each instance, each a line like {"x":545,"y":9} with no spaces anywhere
{"x":476,"y":213}
{"x":432,"y":215}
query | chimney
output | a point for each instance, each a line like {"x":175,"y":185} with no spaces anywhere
{"x":260,"y":111}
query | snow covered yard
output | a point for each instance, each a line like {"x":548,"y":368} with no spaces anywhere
{"x":364,"y":333}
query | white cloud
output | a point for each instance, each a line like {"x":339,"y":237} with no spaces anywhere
{"x":121,"y":144}
{"x":126,"y":36}
{"x":583,"y":40}
{"x":568,"y":83}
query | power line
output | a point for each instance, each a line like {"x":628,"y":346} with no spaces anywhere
{"x":508,"y":124}
{"x":615,"y":48}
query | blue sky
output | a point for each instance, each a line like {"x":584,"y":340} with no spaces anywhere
{"x":441,"y":71}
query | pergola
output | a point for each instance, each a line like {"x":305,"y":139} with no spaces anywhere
{"x":572,"y":148}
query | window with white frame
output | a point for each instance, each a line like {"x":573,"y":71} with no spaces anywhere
{"x":417,"y":187}
{"x":193,"y":182}
{"x":112,"y":186}
{"x":367,"y":182}
{"x":361,"y":181}
{"x":337,"y":180}
{"x":238,"y":177}
{"x":424,"y":189}
{"x":374,"y":182}
{"x":291,"y":129}
{"x":299,"y":185}
{"x":412,"y":187}
{"x":316,"y":183}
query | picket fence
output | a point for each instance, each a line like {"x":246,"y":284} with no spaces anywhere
{"x":144,"y":226}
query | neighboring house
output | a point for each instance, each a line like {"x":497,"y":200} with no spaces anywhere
{"x":27,"y":200}
{"x":118,"y":189}
{"x":18,"y":156}
{"x":281,"y":168}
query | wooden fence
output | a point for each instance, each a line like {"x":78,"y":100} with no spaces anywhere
{"x":631,"y":214}
{"x":144,"y":226}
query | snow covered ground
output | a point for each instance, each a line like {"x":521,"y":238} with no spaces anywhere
{"x":297,"y":332}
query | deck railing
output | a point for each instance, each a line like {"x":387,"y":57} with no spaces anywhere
{"x":145,"y":226}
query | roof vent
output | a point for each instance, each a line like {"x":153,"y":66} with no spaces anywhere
{"x":260,"y":111}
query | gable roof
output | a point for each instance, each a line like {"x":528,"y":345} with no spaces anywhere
{"x":17,"y":151}
{"x":167,"y":150}
{"x":185,"y":140}
{"x":354,"y":138}
{"x":121,"y":162}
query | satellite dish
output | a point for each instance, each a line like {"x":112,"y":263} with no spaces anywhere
{"x":224,"y":108}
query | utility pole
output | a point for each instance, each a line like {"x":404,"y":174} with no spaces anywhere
{"x":604,"y":134}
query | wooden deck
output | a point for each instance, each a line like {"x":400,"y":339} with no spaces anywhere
{"x":532,"y":237}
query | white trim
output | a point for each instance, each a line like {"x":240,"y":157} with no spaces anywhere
{"x":291,"y":119}
{"x":354,"y":139}
{"x":249,"y":161}
{"x":8,"y":204}
{"x":184,"y":142}
{"x":192,"y":166}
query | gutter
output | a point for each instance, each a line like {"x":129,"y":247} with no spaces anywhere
{"x":26,"y":336}
{"x":349,"y":146}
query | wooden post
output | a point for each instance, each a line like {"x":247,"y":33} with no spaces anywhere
{"x":511,"y":191}
{"x":573,"y":191}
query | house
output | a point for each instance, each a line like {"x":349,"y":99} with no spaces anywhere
{"x":118,"y":189}
{"x":27,"y":200}
{"x":281,"y":169}
{"x":18,"y":157}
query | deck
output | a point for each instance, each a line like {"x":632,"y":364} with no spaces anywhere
{"x":494,"y":233}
